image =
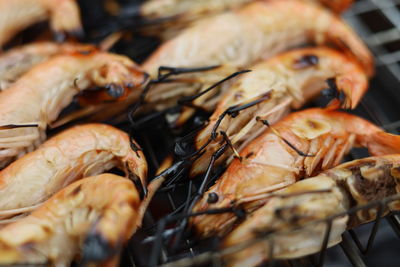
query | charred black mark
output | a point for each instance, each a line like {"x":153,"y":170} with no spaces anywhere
{"x":75,"y":83}
{"x":333,"y":92}
{"x":249,"y":155}
{"x":96,"y":248}
{"x":305,"y":62}
{"x":279,"y":212}
{"x":14,"y":126}
{"x":312,"y":124}
{"x":133,"y":144}
{"x":115,"y":91}
{"x":298,"y":151}
{"x":289,"y":214}
{"x":76,"y":190}
{"x":188,"y":99}
{"x":137,"y":182}
{"x":46,"y":229}
{"x":212,"y":198}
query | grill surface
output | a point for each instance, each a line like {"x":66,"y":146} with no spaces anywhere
{"x":374,"y":244}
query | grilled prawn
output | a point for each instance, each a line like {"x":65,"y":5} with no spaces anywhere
{"x":178,"y":14}
{"x":299,"y":146}
{"x":241,"y":37}
{"x":92,"y":218}
{"x":17,"y":61}
{"x":16,"y":15}
{"x":285,"y":81}
{"x":38,"y":97}
{"x":302,"y":204}
{"x":78,"y":152}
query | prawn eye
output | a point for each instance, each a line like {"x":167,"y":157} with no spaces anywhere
{"x":333,"y":91}
{"x":212,"y":198}
{"x":115,"y":91}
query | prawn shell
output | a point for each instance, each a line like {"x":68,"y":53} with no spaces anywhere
{"x":96,"y":215}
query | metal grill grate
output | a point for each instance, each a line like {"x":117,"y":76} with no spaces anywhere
{"x":378,"y":24}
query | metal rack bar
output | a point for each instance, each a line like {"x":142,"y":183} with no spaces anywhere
{"x":351,"y":251}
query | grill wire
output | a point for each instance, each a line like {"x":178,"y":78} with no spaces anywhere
{"x":378,"y":24}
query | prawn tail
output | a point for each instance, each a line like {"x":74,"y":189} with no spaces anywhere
{"x":381,"y":143}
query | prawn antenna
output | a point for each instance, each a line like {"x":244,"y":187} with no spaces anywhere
{"x":188,"y":99}
{"x":298,"y":151}
{"x":200,"y":192}
{"x":234,"y":111}
{"x":177,"y":232}
{"x":164,"y":72}
{"x":173,"y":173}
{"x":162,"y":234}
{"x":182,"y":146}
{"x":229,"y":142}
{"x":15,"y":126}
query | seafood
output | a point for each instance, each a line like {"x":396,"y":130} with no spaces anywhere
{"x":297,"y":147}
{"x":239,"y":38}
{"x":306,"y":203}
{"x":287,"y":80}
{"x":177,"y":14}
{"x":38,"y":97}
{"x":16,"y":15}
{"x":77,"y":152}
{"x":92,"y":217}
{"x":15,"y":62}
{"x":336,"y":5}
